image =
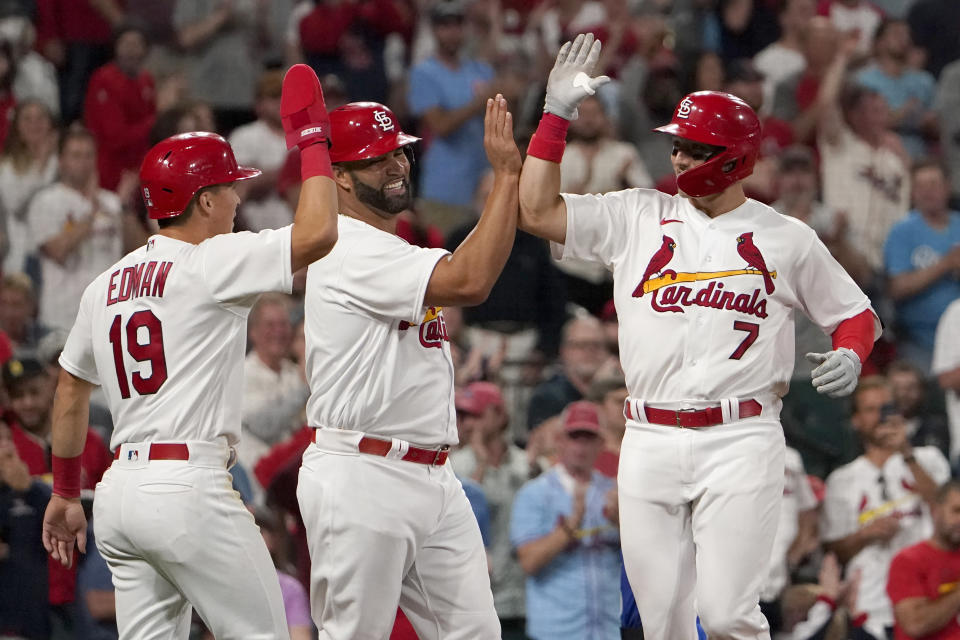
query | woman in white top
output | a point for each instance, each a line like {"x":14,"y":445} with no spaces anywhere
{"x":28,"y":163}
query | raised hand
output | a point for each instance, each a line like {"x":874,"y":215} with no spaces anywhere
{"x":502,"y":151}
{"x":571,"y":78}
{"x":63,"y":524}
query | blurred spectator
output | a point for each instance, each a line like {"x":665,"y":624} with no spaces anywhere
{"x":796,"y":536}
{"x":925,"y":427}
{"x":76,"y":36}
{"x":18,"y":312}
{"x":28,"y":163}
{"x":296,"y":604}
{"x":877,"y":504}
{"x":414,"y":229}
{"x":922,"y":260}
{"x":500,"y":468}
{"x":75,"y":227}
{"x":746,"y":27}
{"x":121,"y":107}
{"x":36,"y":77}
{"x":8,"y":102}
{"x":594,"y":160}
{"x":621,"y":39}
{"x":185,"y":117}
{"x":827,"y":610}
{"x":708,"y":72}
{"x":745,"y":82}
{"x":609,"y":393}
{"x":929,"y":20}
{"x":348,"y":39}
{"x":946,"y":367}
{"x":924,"y":583}
{"x":797,"y":185}
{"x":525,"y":308}
{"x":262,"y":144}
{"x":220,"y":38}
{"x":611,"y":327}
{"x":470,"y":362}
{"x":567,"y":541}
{"x":552,"y":23}
{"x":97,"y":608}
{"x":909,"y":92}
{"x":947,"y":106}
{"x":582,"y":352}
{"x":275,"y":388}
{"x":23,"y":560}
{"x":481,"y":509}
{"x":449,"y":92}
{"x":784,"y":58}
{"x":795,"y":97}
{"x":864,"y":168}
{"x":856,"y":17}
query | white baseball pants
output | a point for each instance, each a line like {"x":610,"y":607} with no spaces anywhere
{"x":384,"y":532}
{"x":175,"y":534}
{"x":699,"y":510}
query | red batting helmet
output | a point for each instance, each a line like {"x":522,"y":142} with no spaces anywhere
{"x":362,"y":130}
{"x":721,"y":120}
{"x":176,"y":168}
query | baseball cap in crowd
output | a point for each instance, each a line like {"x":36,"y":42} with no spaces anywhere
{"x":447,"y":11}
{"x":580,"y":416}
{"x":477,"y":396}
{"x":17,"y":371}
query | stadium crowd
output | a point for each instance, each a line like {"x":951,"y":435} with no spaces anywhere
{"x":860,"y":106}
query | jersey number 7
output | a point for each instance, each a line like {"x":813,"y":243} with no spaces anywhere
{"x":752,"y":329}
{"x":151,"y":351}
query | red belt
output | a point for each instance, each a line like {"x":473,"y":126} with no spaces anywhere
{"x":378,"y":447}
{"x":162,"y":451}
{"x":694,"y":417}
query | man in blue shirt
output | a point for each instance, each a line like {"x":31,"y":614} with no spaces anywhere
{"x":567,"y":542}
{"x":449,"y":92}
{"x":922,"y":258}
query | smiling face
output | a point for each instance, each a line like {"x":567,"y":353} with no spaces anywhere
{"x":383,"y":183}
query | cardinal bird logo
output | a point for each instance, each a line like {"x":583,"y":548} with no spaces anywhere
{"x":659,"y":260}
{"x":749,"y":252}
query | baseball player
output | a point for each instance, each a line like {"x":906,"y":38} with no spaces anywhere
{"x":705,"y":285}
{"x":387,"y":521}
{"x":163,"y":331}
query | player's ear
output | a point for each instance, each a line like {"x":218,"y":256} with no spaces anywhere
{"x":343,"y":178}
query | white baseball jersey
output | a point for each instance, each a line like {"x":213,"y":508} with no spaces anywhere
{"x":53,"y":209}
{"x":698,"y":320}
{"x":946,"y":357}
{"x":163,"y":332}
{"x":858,"y":493}
{"x":378,"y":361}
{"x":871,"y":186}
{"x":797,"y":498}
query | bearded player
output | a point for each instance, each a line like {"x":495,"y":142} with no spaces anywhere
{"x":707,"y":349}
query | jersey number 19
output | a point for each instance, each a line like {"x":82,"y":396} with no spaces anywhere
{"x":151,"y":351}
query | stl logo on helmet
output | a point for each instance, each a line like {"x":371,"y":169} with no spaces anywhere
{"x":384,"y":120}
{"x":146,"y":196}
{"x":686,"y":106}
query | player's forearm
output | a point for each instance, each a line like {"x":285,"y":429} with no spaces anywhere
{"x":315,"y":223}
{"x":542,"y":209}
{"x":71,"y":413}
{"x":907,"y":285}
{"x":534,"y":556}
{"x":922,"y":617}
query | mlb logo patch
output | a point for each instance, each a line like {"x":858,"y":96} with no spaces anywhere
{"x":133,"y":455}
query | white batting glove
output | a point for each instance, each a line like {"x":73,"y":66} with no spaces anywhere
{"x":838,"y":372}
{"x":570,"y":79}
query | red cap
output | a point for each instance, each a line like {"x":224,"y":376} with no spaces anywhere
{"x":581,"y":416}
{"x":477,"y":396}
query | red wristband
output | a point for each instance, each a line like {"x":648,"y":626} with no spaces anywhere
{"x":859,"y":621}
{"x":828,"y":600}
{"x":856,"y":334}
{"x":315,"y":161}
{"x":550,"y":139}
{"x":66,"y":477}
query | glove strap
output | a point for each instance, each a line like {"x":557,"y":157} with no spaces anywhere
{"x":315,"y":161}
{"x":66,"y":477}
{"x":550,"y":139}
